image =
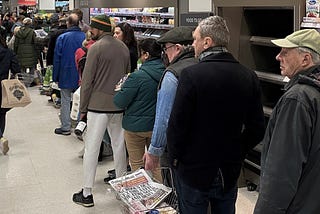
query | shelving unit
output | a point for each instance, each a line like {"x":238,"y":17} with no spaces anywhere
{"x":149,"y":18}
{"x":311,"y":22}
{"x":146,"y":24}
{"x":256,"y":23}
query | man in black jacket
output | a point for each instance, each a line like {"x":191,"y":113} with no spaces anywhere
{"x":290,"y":158}
{"x":58,"y":27}
{"x":216,"y":118}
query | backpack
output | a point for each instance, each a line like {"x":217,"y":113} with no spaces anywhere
{"x":82,"y":61}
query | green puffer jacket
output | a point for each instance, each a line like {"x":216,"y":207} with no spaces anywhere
{"x":24,"y":47}
{"x":138,"y":96}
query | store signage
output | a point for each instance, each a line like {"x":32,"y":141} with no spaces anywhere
{"x":192,"y":19}
{"x":84,"y":3}
{"x":27,"y":2}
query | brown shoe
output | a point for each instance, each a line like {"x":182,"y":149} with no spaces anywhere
{"x":4,"y":145}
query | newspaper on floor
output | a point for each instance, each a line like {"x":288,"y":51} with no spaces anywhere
{"x":139,"y":191}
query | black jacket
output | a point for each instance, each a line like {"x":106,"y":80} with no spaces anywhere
{"x":216,"y":118}
{"x":290,"y":159}
{"x":54,"y":33}
{"x":8,"y":61}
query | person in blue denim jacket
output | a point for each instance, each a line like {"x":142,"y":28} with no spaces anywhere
{"x":179,"y":53}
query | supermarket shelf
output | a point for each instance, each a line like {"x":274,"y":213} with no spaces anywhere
{"x":263,"y":41}
{"x":153,"y":26}
{"x":267,"y":111}
{"x":310,"y":25}
{"x":139,"y":37}
{"x":252,"y":164}
{"x":271,"y":77}
{"x":133,"y":14}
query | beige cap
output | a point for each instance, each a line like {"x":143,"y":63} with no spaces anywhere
{"x":309,"y":38}
{"x":27,"y":21}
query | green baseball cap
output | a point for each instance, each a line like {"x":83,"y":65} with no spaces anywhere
{"x":309,"y":38}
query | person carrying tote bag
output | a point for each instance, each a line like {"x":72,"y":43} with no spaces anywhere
{"x":14,"y":93}
{"x":8,"y":61}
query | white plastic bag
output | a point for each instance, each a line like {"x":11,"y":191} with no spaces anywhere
{"x":75,"y":105}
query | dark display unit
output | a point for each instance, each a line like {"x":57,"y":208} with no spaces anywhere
{"x":253,"y":24}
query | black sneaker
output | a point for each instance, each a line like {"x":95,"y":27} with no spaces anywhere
{"x":78,"y":198}
{"x":110,"y":177}
{"x":60,"y":131}
{"x":112,"y":172}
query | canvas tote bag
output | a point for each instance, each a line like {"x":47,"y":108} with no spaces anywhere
{"x":14,"y":93}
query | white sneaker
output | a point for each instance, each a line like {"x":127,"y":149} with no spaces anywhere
{"x":4,"y":145}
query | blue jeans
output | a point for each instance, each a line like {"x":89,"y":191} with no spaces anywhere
{"x":65,"y":109}
{"x":195,"y":201}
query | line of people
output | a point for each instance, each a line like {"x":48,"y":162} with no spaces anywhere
{"x":197,"y":110}
{"x":197,"y":145}
{"x":209,"y":114}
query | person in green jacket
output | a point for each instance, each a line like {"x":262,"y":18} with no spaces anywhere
{"x":138,"y":96}
{"x":24,"y":47}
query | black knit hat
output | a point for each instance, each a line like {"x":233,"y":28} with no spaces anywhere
{"x":101,"y":22}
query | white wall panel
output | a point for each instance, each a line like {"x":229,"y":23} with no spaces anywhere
{"x":46,"y":4}
{"x":200,"y":6}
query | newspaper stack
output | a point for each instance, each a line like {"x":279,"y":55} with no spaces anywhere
{"x":139,"y":192}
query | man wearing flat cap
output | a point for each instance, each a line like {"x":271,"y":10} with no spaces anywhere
{"x":290,"y":159}
{"x":108,"y":60}
{"x":178,"y":54}
{"x":208,"y":132}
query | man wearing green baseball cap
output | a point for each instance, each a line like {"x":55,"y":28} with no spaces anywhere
{"x":290,"y":159}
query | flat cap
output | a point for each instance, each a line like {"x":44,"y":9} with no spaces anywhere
{"x":178,"y":35}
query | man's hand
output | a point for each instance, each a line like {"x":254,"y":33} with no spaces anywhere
{"x":151,"y":162}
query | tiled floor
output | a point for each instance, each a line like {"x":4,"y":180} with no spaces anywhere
{"x":42,"y":170}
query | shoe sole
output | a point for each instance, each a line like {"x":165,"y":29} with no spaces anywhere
{"x":63,"y":133}
{"x":5,"y":147}
{"x":85,"y":205}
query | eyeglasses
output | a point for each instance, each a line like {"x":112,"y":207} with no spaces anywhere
{"x":166,"y":48}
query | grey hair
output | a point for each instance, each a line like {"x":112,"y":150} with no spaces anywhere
{"x":315,"y":56}
{"x":73,"y":19}
{"x":216,"y":28}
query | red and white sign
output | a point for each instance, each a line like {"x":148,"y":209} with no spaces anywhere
{"x":27,"y":2}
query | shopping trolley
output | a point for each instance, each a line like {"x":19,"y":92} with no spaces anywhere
{"x":139,"y":193}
